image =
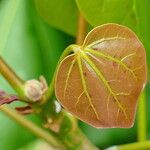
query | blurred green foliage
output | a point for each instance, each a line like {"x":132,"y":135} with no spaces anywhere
{"x":132,"y":13}
{"x":33,"y":48}
{"x":61,"y":14}
{"x":98,"y":12}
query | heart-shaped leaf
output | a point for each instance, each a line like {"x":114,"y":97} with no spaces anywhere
{"x":101,"y":81}
{"x":143,"y":26}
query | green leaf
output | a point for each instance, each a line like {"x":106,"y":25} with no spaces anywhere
{"x":143,"y":26}
{"x":61,"y":14}
{"x":29,"y":53}
{"x":18,"y":48}
{"x":21,"y":46}
{"x":98,"y":12}
{"x":51,"y":42}
{"x":103,"y":138}
{"x":133,"y":14}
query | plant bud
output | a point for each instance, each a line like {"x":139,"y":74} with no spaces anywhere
{"x":34,"y":90}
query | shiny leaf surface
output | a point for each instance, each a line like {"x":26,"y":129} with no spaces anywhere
{"x":101,"y":81}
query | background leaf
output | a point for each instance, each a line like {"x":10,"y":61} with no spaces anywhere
{"x":60,"y":14}
{"x":29,"y":57}
{"x":34,"y":49}
{"x":104,"y":138}
{"x":133,"y":14}
{"x":51,"y":42}
{"x":19,"y":53}
{"x":98,"y":12}
{"x":143,"y":26}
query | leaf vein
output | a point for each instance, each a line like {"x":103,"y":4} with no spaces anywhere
{"x":68,"y":76}
{"x":108,"y":57}
{"x":85,"y":88}
{"x":101,"y":77}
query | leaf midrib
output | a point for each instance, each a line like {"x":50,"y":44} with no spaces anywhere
{"x":83,"y":55}
{"x":105,"y":82}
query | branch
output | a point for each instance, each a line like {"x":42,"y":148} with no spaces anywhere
{"x":31,"y":127}
{"x":11,"y":77}
{"x":82,"y":30}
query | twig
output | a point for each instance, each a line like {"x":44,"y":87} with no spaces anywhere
{"x":32,"y":127}
{"x":11,"y":77}
{"x":82,"y":30}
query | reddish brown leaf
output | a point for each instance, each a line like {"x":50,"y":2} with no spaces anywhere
{"x":25,"y":110}
{"x":7,"y":98}
{"x":101,"y":82}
